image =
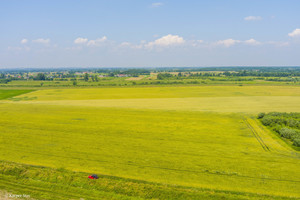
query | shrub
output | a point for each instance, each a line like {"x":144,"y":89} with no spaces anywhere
{"x":296,"y":142}
{"x":287,"y":133}
{"x":261,"y":115}
{"x":296,"y":135}
{"x":292,"y":123}
{"x":277,"y":128}
{"x":267,"y":120}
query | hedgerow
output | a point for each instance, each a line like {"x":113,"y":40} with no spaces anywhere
{"x":287,"y":125}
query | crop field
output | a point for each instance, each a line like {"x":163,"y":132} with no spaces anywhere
{"x":4,"y":94}
{"x":196,"y":142}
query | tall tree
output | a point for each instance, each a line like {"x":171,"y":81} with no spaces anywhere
{"x":41,"y":76}
{"x":86,"y":77}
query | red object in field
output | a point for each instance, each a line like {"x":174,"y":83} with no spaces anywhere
{"x":94,"y":176}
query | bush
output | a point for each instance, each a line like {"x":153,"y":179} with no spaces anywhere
{"x":5,"y":81}
{"x":296,"y":135}
{"x":296,"y":142}
{"x":261,"y":115}
{"x":267,"y":120}
{"x":287,"y":133}
{"x":277,"y":128}
{"x":292,"y":123}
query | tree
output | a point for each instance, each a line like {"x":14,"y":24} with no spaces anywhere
{"x":86,"y":77}
{"x":261,"y":115}
{"x":297,"y":142}
{"x":41,"y":77}
{"x":75,"y":83}
{"x":96,"y":78}
{"x":161,"y":76}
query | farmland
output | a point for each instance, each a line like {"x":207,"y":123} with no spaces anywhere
{"x":198,"y":141}
{"x":4,"y":94}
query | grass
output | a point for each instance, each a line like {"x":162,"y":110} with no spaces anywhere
{"x":48,"y":183}
{"x":199,"y":142}
{"x":5,"y":94}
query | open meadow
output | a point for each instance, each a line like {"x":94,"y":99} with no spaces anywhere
{"x":184,"y":142}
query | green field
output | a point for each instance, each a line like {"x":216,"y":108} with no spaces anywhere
{"x":4,"y":94}
{"x":197,"y":142}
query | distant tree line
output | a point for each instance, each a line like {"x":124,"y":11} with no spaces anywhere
{"x":287,"y":125}
{"x":263,"y":73}
{"x":132,"y":72}
{"x":42,"y":77}
{"x":162,"y":76}
{"x":232,"y":76}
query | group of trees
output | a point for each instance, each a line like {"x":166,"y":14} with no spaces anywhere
{"x":131,"y":72}
{"x":287,"y":125}
{"x":286,"y":76}
{"x":263,"y":73}
{"x":162,"y":76}
{"x":94,"y":78}
{"x":40,"y":77}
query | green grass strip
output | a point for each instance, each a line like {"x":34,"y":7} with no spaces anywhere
{"x":5,"y":94}
{"x":48,"y":183}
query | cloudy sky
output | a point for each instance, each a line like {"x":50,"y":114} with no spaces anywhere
{"x":142,"y":33}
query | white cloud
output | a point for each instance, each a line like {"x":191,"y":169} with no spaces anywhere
{"x":252,"y":42}
{"x":230,"y":42}
{"x":227,"y":42}
{"x":24,"y":41}
{"x":295,"y":33}
{"x":124,"y":44}
{"x":80,"y":40}
{"x":253,"y":18}
{"x":42,"y":41}
{"x":195,"y":43}
{"x":165,"y":41}
{"x":97,"y":42}
{"x":157,"y":4}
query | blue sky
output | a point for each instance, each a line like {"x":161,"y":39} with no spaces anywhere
{"x":136,"y":33}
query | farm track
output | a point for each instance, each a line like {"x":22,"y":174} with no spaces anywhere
{"x":283,"y":153}
{"x":257,"y":136}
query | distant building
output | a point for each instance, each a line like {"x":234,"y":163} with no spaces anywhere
{"x":122,"y":75}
